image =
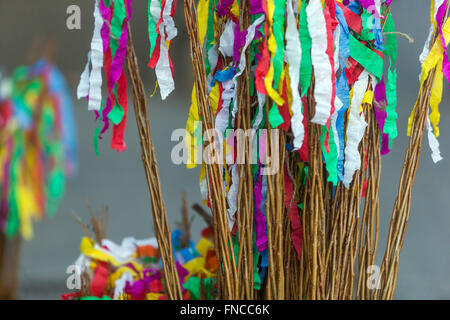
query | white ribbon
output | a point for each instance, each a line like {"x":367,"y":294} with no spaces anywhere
{"x":232,"y":195}
{"x":162,"y":68}
{"x":323,"y":93}
{"x":433,"y":143}
{"x":83,"y":86}
{"x":355,"y":129}
{"x":226,"y":41}
{"x":95,"y":79}
{"x":293,"y":54}
{"x":120,"y":284}
{"x":91,"y":81}
{"x":124,"y":252}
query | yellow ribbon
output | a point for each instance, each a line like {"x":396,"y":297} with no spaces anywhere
{"x":202,"y":19}
{"x":433,"y":60}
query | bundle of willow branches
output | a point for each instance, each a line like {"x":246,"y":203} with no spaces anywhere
{"x":295,"y":206}
{"x":339,"y":221}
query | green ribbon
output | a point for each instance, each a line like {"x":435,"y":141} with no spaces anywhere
{"x":390,"y":125}
{"x":306,"y":43}
{"x":95,"y":298}
{"x":331,"y":158}
{"x":278,"y":33}
{"x":369,"y":59}
{"x":12,"y":225}
{"x":152,"y":32}
{"x":119,"y":16}
{"x":209,"y":35}
{"x":275,"y":118}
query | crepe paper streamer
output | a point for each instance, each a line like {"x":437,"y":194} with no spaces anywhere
{"x":120,"y":52}
{"x":100,"y":280}
{"x":436,"y":97}
{"x":223,"y":7}
{"x":120,"y":116}
{"x":263,"y":64}
{"x":191,"y":141}
{"x":293,"y":55}
{"x":323,"y":94}
{"x":239,"y":41}
{"x":329,"y":135}
{"x":83,"y":86}
{"x":435,"y":5}
{"x":108,"y":50}
{"x":278,"y":19}
{"x":446,"y":63}
{"x":95,"y":79}
{"x":433,"y":60}
{"x":211,"y":45}
{"x":120,"y":284}
{"x":443,"y":69}
{"x":202,"y":19}
{"x":342,"y":88}
{"x":226,"y":46}
{"x":291,"y":207}
{"x":260,"y":219}
{"x":274,"y":116}
{"x":257,"y":282}
{"x":306,"y":45}
{"x":286,"y":93}
{"x":331,"y":24}
{"x":369,"y":59}
{"x":355,"y":129}
{"x":91,"y":82}
{"x":330,"y":154}
{"x":352,"y":19}
{"x":39,"y":146}
{"x":433,"y":143}
{"x":249,"y":37}
{"x":106,"y":298}
{"x":163,"y":26}
{"x":232,"y":195}
{"x":390,"y":127}
{"x":153,"y":35}
{"x":380,"y":104}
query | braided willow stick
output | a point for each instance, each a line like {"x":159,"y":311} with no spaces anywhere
{"x":245,"y":192}
{"x":229,"y":281}
{"x":402,"y":205}
{"x":160,"y":219}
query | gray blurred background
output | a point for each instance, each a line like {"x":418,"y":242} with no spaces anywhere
{"x":118,"y":181}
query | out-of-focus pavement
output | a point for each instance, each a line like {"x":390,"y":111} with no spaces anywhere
{"x":118,"y":180}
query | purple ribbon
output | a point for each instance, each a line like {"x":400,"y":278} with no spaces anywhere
{"x":121,"y":52}
{"x":381,"y":114}
{"x":439,"y":17}
{"x":256,"y":7}
{"x":260,"y":219}
{"x":106,"y":15}
{"x":239,"y":42}
{"x":222,"y":7}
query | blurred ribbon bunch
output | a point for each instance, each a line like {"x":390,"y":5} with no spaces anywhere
{"x":39,"y":146}
{"x":133,"y":270}
{"x":108,"y":52}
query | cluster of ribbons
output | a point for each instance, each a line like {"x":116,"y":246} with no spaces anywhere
{"x":107,"y":55}
{"x":133,"y":269}
{"x":434,"y":56}
{"x":38,"y":146}
{"x":341,"y":45}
